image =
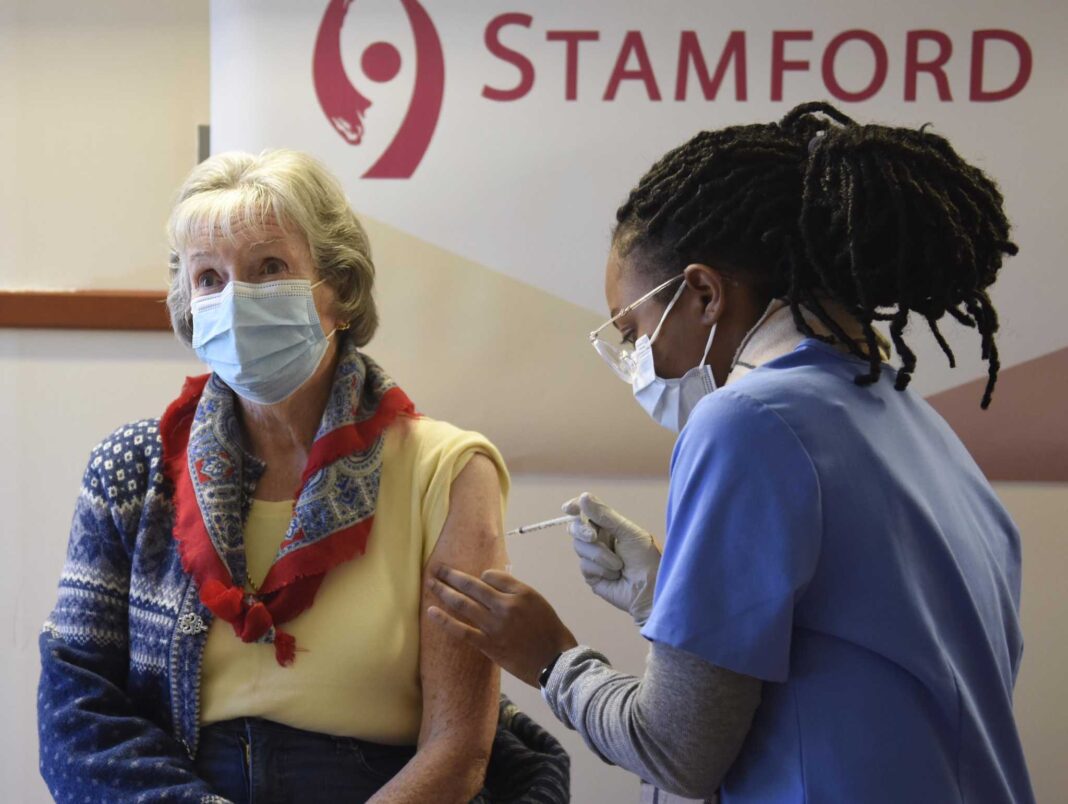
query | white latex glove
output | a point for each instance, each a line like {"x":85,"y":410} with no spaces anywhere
{"x":617,"y":558}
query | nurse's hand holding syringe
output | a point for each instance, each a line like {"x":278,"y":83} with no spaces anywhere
{"x":618,"y":559}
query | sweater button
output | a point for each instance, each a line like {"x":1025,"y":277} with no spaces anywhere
{"x":191,"y":624}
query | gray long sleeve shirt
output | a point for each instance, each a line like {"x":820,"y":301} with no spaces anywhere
{"x":680,"y":727}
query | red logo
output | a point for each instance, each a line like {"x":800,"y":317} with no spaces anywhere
{"x":346,"y":108}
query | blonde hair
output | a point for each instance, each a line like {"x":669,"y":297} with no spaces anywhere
{"x":295,"y":191}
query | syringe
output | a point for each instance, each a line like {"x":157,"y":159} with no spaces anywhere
{"x":548,"y":523}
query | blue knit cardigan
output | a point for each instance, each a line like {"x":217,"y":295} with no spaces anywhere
{"x":121,"y":652}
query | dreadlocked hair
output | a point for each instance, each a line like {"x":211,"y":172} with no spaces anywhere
{"x":885,"y":222}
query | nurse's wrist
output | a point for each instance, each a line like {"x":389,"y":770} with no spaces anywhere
{"x":543,"y":676}
{"x":568,"y":666}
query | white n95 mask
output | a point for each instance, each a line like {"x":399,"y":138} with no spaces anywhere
{"x":263,"y":340}
{"x":670,"y":402}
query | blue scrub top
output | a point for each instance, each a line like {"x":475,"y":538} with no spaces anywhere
{"x":840,"y":543}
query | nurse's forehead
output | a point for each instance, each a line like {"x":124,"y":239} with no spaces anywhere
{"x":622,"y":285}
{"x":613,"y":290}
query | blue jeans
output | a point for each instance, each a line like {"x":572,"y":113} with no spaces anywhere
{"x":255,"y":761}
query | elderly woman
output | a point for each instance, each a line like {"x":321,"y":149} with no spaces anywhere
{"x":240,"y":614}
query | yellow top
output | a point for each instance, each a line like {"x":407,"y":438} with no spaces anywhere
{"x":357,"y":668}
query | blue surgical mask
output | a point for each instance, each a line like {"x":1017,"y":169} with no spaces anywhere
{"x":670,"y":401}
{"x":263,"y":340}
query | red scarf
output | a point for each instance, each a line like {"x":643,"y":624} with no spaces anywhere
{"x":364,"y":402}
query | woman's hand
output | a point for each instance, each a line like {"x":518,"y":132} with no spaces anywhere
{"x":504,"y":618}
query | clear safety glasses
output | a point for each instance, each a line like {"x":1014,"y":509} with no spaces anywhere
{"x":620,"y":358}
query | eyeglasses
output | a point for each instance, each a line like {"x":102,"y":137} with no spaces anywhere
{"x":619,"y":358}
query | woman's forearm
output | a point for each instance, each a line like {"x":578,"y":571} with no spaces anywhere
{"x":438,"y":772}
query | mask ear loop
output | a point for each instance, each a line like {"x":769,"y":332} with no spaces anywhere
{"x":337,"y":327}
{"x":709,"y":377}
{"x":708,"y":345}
{"x":663,"y":318}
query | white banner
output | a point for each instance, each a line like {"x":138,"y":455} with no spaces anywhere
{"x":507,"y":134}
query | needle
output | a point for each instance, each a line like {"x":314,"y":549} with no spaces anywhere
{"x":548,"y":523}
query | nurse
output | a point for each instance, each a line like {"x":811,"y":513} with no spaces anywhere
{"x":834,"y":616}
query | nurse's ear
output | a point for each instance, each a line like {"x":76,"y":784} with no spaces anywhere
{"x":710,"y":286}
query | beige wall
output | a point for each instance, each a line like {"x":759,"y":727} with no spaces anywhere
{"x":99,"y":103}
{"x":1041,"y":512}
